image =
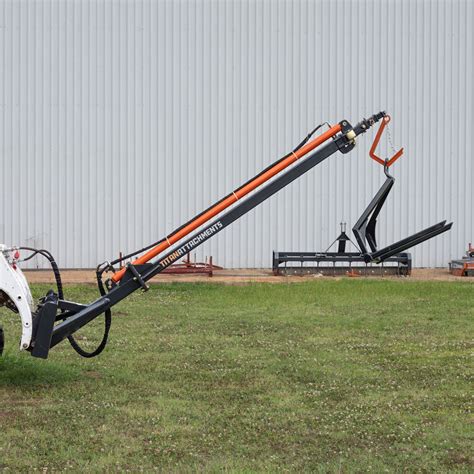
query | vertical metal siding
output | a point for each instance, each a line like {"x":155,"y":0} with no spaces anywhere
{"x":119,"y":120}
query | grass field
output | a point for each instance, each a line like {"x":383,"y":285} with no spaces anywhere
{"x":331,"y":375}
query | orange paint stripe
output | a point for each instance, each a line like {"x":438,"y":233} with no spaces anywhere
{"x":238,"y":194}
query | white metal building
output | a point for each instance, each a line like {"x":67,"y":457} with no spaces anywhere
{"x":120,"y":120}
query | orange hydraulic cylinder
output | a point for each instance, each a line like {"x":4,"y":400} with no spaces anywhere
{"x":231,"y":199}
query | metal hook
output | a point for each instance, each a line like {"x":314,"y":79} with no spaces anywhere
{"x":388,"y":162}
{"x":385,"y":169}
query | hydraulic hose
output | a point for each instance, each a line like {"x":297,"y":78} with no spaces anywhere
{"x":57,"y":276}
{"x":303,"y":148}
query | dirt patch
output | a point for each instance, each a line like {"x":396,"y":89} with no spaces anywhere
{"x":457,"y":459}
{"x":93,"y":374}
{"x":235,"y":276}
{"x":13,"y":403}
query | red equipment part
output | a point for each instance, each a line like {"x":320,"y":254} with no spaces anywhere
{"x":389,"y":162}
{"x":465,"y":266}
{"x":192,"y":267}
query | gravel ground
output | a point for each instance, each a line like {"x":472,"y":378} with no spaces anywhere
{"x":234,"y":276}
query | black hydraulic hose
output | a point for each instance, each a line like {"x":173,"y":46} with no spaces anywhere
{"x":46,"y":254}
{"x":57,"y":276}
{"x":101,"y":269}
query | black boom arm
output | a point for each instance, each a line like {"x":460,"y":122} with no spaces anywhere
{"x":57,"y":319}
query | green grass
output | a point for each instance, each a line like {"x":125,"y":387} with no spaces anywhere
{"x":333,"y":375}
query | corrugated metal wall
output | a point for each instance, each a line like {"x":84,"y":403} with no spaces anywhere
{"x":120,"y":120}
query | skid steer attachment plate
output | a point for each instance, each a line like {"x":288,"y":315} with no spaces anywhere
{"x":15,"y":293}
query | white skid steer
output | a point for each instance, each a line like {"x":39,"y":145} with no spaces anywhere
{"x":15,"y":294}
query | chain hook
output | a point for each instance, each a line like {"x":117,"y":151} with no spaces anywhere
{"x":388,"y":162}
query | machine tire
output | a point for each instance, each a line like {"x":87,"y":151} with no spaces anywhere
{"x":2,"y":340}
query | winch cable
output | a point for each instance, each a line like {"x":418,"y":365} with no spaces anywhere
{"x":57,"y":276}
